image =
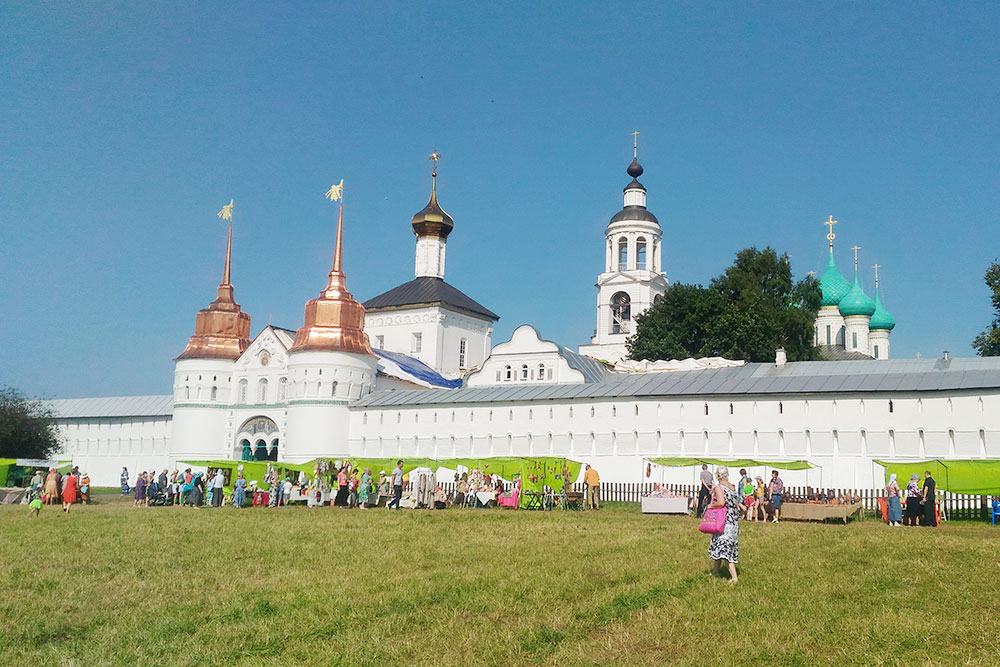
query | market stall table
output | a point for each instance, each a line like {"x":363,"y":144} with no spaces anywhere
{"x":820,"y":511}
{"x":667,"y":505}
{"x":483,"y":498}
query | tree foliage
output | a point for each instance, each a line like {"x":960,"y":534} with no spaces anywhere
{"x":987,"y":343}
{"x":748,"y":312}
{"x":27,"y":427}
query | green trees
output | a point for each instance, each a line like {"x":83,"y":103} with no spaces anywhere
{"x":748,"y":312}
{"x":987,"y":343}
{"x":27,"y":429}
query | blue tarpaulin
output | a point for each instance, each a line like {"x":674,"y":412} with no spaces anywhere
{"x":412,"y":370}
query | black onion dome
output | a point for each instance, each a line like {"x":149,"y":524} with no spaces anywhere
{"x":635,"y":169}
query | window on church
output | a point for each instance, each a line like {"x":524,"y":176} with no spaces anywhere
{"x":524,"y":371}
{"x":828,"y":334}
{"x":262,"y":391}
{"x":283,"y":389}
{"x":541,"y":371}
{"x":854,"y":340}
{"x":640,"y":253}
{"x":243,"y":391}
{"x":876,"y":351}
{"x":187,"y":393}
{"x":215,"y":393}
{"x":622,"y":254}
{"x":333,"y":388}
{"x":416,"y":343}
{"x":462,"y":345}
{"x":621,"y":313}
{"x":508,"y":374}
{"x":890,"y":406}
{"x":380,"y":342}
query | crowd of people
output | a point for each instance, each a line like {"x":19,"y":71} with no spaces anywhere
{"x":921,"y":505}
{"x":55,"y":487}
{"x":755,"y":499}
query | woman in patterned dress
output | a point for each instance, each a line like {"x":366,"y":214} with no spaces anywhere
{"x":725,"y":546}
{"x":365,"y":490}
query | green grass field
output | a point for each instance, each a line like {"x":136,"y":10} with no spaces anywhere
{"x":113,"y":584}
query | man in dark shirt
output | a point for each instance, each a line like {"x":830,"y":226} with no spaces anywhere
{"x":927,"y":495}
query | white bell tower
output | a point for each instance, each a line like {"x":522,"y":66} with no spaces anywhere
{"x":632,"y":276}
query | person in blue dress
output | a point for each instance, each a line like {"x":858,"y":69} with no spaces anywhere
{"x":240,"y":492}
{"x":125,"y":487}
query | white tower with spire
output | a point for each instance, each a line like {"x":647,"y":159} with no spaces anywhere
{"x":632,"y":276}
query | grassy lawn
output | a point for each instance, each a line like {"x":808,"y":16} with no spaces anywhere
{"x":115,"y":584}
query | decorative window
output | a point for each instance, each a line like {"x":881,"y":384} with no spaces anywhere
{"x":828,"y":334}
{"x":541,"y":371}
{"x":333,"y":388}
{"x":416,"y":343}
{"x":854,"y":340}
{"x":508,"y":374}
{"x":876,"y":351}
{"x":187,"y":393}
{"x":243,"y":391}
{"x":640,"y":253}
{"x":621,"y":313}
{"x":524,"y":371}
{"x":380,"y":342}
{"x":283,"y":389}
{"x":462,"y":345}
{"x":622,"y":254}
{"x":215,"y":393}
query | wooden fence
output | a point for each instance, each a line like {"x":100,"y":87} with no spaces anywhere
{"x":955,"y":505}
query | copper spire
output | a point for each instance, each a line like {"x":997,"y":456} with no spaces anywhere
{"x":334,"y":321}
{"x":221,"y":331}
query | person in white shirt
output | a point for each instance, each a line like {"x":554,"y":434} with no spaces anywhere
{"x":218,"y":482}
{"x":286,"y":491}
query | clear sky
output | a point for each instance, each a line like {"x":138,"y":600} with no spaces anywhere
{"x":125,"y":126}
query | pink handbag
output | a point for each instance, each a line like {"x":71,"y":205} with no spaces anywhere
{"x":714,"y":521}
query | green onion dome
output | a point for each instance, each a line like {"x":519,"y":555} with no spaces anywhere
{"x":833,"y":285}
{"x":856,"y":302}
{"x":881,"y":319}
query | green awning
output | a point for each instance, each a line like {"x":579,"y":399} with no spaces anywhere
{"x":979,"y":477}
{"x":681,"y":462}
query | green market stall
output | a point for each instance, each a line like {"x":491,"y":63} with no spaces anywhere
{"x":16,"y":472}
{"x":976,"y":477}
{"x":535,"y":472}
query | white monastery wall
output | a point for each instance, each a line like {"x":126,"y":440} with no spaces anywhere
{"x":102,"y":445}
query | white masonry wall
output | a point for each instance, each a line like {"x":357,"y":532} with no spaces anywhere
{"x":102,"y":445}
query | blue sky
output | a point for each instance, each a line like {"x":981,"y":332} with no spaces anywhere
{"x":125,"y":126}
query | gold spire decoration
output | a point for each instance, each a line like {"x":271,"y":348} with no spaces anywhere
{"x":876,"y":267}
{"x":432,"y":220}
{"x":856,"y":248}
{"x":635,"y":145}
{"x":221,"y":331}
{"x":334,"y":321}
{"x":830,"y":236}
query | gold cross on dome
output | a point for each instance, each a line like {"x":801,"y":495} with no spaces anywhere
{"x":876,"y":267}
{"x":830,"y":236}
{"x":635,"y":144}
{"x":434,"y":157}
{"x":856,"y":248}
{"x":810,"y":273}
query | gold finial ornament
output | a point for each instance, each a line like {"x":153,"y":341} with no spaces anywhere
{"x":635,"y":145}
{"x":856,"y":248}
{"x":221,"y":331}
{"x":830,"y":236}
{"x":876,"y":267}
{"x":432,"y":220}
{"x":334,"y":321}
{"x":810,"y":273}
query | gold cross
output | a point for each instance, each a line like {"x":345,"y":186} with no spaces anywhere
{"x":830,"y":236}
{"x":635,"y":144}
{"x":876,"y":267}
{"x":810,"y":273}
{"x":434,"y":157}
{"x":856,"y":248}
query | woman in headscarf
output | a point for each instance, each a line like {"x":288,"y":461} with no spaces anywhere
{"x":51,"y":487}
{"x":124,"y":480}
{"x":927,"y":496}
{"x":725,"y":546}
{"x":365,"y":489}
{"x":69,"y":492}
{"x":913,"y":508}
{"x":895,"y":508}
{"x":198,"y":493}
{"x":240,"y":492}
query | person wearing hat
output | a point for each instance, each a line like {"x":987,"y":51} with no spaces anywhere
{"x":85,"y":488}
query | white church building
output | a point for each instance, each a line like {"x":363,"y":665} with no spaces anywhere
{"x":413,"y":372}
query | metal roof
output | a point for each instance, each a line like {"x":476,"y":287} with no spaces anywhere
{"x":427,"y":290}
{"x":113,"y":406}
{"x":592,"y":370}
{"x":805,"y":377}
